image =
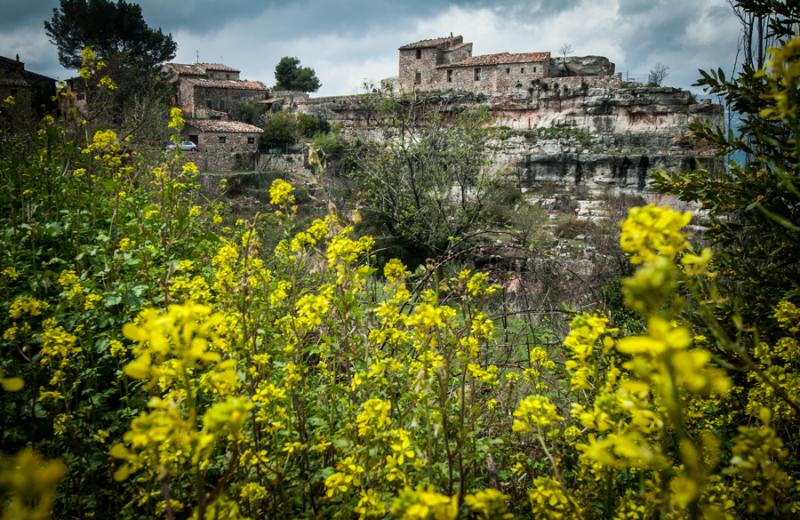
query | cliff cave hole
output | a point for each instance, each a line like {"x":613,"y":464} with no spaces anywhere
{"x":623,"y":170}
{"x":644,"y":165}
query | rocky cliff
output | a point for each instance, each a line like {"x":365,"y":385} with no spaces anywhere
{"x":583,"y":137}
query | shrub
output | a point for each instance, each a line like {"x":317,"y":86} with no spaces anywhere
{"x":309,"y":125}
{"x":280,"y":131}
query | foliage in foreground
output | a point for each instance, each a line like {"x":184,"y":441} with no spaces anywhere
{"x":183,"y":369}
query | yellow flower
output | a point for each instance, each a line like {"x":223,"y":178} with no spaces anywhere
{"x":176,"y":120}
{"x":190,"y":168}
{"x":91,"y":301}
{"x":280,"y":193}
{"x":373,"y":416}
{"x":652,"y":231}
{"x":395,"y":271}
{"x":535,"y":410}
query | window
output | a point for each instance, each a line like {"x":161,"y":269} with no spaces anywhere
{"x":522,"y":70}
{"x":508,"y":70}
{"x":251,"y":140}
{"x":419,"y":54}
{"x":194,"y":139}
{"x":449,"y":75}
{"x":221,"y":104}
{"x":209,"y":103}
{"x":417,"y":77}
{"x":477,"y":74}
{"x":534,"y":69}
{"x":222,"y":139}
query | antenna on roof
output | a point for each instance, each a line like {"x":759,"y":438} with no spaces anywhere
{"x":197,"y":56}
{"x":451,"y":34}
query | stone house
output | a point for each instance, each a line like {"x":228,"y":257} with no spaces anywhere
{"x":32,"y":92}
{"x":447,"y":63}
{"x":211,"y":90}
{"x":207,"y":93}
{"x":223,"y":145}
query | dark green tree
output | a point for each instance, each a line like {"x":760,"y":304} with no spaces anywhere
{"x":291,"y":76}
{"x":753,"y":205}
{"x":113,"y":30}
{"x":280,"y":131}
{"x":131,"y":50}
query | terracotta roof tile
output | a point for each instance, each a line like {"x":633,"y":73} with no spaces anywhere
{"x":499,"y":59}
{"x":237,"y":84}
{"x":432,"y":42}
{"x":231,"y":127}
{"x":182,"y":68}
{"x":218,"y":66}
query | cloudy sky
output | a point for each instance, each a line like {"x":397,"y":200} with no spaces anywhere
{"x":349,"y":42}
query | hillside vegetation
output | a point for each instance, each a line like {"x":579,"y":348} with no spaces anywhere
{"x":158,"y":360}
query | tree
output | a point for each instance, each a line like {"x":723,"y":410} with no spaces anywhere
{"x":131,"y":53}
{"x":753,"y":205}
{"x":291,"y":76}
{"x":280,"y":131}
{"x":565,"y":51}
{"x":657,"y":75}
{"x":428,"y":182}
{"x":114,"y":31}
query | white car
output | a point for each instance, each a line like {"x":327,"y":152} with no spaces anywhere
{"x":186,"y":146}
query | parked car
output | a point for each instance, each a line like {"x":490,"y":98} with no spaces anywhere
{"x":186,"y":146}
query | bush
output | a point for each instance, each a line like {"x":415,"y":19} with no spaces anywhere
{"x":280,"y":131}
{"x":309,"y":125}
{"x":180,"y":368}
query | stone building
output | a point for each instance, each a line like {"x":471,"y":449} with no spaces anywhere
{"x":447,"y":63}
{"x":223,"y":145}
{"x":212,"y":90}
{"x":207,"y":93}
{"x":32,"y":92}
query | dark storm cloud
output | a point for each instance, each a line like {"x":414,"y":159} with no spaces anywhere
{"x":683,"y":34}
{"x":361,"y":37}
{"x":16,"y":13}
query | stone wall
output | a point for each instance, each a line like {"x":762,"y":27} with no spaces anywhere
{"x":410,"y":65}
{"x":464,"y":78}
{"x":235,"y":154}
{"x":223,"y":99}
{"x":292,"y":162}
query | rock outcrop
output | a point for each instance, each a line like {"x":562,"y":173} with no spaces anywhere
{"x":585,"y":137}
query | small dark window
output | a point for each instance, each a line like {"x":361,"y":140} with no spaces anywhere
{"x":209,"y":103}
{"x":251,"y":140}
{"x":534,"y":69}
{"x":522,"y":69}
{"x":221,"y":104}
{"x":449,"y":75}
{"x":508,"y":70}
{"x":194,"y":139}
{"x":417,"y":78}
{"x":419,"y":54}
{"x":222,"y":139}
{"x":477,"y":74}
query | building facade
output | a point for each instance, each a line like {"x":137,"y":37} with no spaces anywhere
{"x":208,"y":93}
{"x":31,"y":92}
{"x":447,"y":63}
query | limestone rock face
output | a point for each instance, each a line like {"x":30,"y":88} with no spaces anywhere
{"x":583,"y":66}
{"x":581,"y":137}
